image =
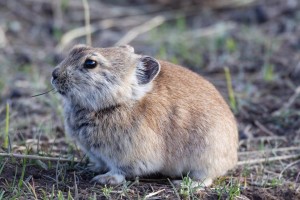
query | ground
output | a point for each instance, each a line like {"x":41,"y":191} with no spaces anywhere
{"x":251,"y":53}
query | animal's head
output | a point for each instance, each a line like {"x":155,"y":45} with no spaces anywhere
{"x":98,"y":78}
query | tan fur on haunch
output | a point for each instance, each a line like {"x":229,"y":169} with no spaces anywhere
{"x":172,"y":121}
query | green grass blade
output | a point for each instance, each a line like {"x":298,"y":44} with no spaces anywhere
{"x":175,"y":190}
{"x":20,"y":184}
{"x":6,"y":127}
{"x":60,"y":195}
{"x":2,"y":165}
{"x":2,"y":194}
{"x":230,"y":90}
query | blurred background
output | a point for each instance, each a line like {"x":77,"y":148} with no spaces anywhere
{"x":257,"y":40}
{"x":249,"y":49}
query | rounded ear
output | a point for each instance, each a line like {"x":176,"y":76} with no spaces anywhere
{"x":147,"y":69}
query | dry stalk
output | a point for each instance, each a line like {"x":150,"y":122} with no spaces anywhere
{"x":136,"y":21}
{"x":288,"y":166}
{"x":263,"y":138}
{"x":71,"y":35}
{"x":35,"y":157}
{"x":76,"y":188}
{"x":221,"y":4}
{"x":289,"y":103}
{"x":263,"y":128}
{"x":145,"y":27}
{"x":153,"y":193}
{"x":87,"y":22}
{"x":268,"y":151}
{"x":271,"y":159}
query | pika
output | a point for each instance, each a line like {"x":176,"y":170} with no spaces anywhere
{"x":134,"y":115}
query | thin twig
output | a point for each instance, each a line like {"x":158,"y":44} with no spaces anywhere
{"x":265,"y":138}
{"x":271,"y":159}
{"x":154,"y":193}
{"x":288,"y":166}
{"x":145,"y":27}
{"x":269,"y":150}
{"x":76,"y":188}
{"x":289,"y":103}
{"x":297,"y":177}
{"x":263,"y":128}
{"x":175,"y":190}
{"x":71,"y":35}
{"x":34,"y":157}
{"x":217,"y":4}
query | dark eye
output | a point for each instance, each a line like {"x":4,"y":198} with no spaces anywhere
{"x":90,"y":64}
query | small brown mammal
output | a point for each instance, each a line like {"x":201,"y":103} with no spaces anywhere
{"x":134,"y":115}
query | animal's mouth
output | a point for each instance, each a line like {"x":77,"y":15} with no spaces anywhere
{"x":61,"y":92}
{"x":57,"y":87}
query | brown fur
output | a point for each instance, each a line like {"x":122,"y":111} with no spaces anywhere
{"x":178,"y":123}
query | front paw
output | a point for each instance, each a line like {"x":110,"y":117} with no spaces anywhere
{"x":110,"y":178}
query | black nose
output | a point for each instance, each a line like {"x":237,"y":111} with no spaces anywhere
{"x":55,"y":73}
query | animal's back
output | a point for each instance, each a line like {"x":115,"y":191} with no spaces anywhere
{"x":190,"y":108}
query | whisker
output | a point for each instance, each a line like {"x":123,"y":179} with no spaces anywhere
{"x":43,"y":93}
